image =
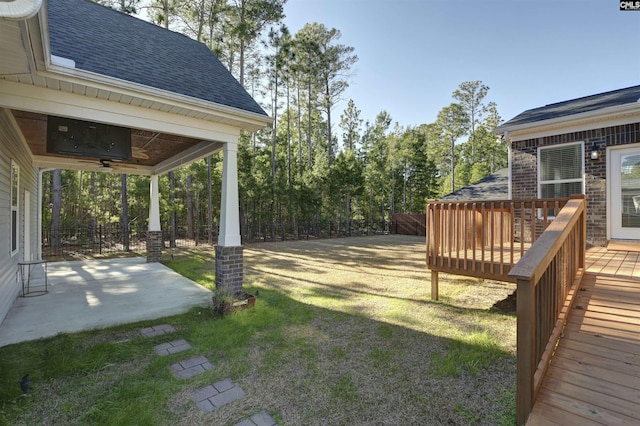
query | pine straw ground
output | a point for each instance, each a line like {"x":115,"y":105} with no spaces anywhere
{"x":343,"y":333}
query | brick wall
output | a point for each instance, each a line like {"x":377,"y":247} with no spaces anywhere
{"x":525,"y":171}
{"x":229,"y":264}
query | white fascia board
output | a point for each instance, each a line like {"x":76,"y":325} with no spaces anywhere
{"x":606,"y":117}
{"x":187,"y":156}
{"x":54,"y":102}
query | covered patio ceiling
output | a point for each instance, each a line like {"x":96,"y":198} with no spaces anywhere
{"x":152,"y":152}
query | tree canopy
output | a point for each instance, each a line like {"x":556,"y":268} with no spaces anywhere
{"x":301,"y":170}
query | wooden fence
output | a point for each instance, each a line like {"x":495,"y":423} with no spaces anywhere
{"x":409,"y":224}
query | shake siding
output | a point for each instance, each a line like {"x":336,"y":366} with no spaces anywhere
{"x":12,"y":148}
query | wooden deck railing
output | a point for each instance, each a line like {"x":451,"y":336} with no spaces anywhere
{"x":547,"y":277}
{"x":483,"y":239}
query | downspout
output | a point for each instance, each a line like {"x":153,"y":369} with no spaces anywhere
{"x":19,"y":10}
{"x":510,"y":165}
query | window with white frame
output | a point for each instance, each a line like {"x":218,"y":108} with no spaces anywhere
{"x":15,"y":226}
{"x":561,"y":170}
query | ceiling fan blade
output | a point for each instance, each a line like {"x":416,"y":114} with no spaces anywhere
{"x":140,"y":153}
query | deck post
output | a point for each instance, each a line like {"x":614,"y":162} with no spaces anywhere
{"x":526,"y":349}
{"x":434,"y":285}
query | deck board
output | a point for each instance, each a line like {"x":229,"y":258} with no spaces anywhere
{"x":594,"y":376}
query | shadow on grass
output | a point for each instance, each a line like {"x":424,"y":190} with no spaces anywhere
{"x":304,"y":364}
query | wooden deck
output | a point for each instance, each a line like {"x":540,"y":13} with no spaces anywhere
{"x":594,"y":376}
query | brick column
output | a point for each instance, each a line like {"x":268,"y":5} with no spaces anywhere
{"x":229,"y":268}
{"x":154,"y":246}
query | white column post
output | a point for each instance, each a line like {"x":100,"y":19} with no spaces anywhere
{"x":154,"y":205}
{"x":229,"y":257}
{"x":229,"y":206}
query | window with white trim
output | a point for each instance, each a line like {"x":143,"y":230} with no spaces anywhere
{"x":15,"y":225}
{"x":561,"y":170}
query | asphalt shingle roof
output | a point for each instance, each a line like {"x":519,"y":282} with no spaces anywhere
{"x":107,"y":42}
{"x":576,"y":106}
{"x":492,"y":187}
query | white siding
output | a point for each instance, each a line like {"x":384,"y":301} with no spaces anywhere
{"x":11,"y":148}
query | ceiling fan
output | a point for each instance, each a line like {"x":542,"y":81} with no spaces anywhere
{"x":106,"y":163}
{"x":139,"y":152}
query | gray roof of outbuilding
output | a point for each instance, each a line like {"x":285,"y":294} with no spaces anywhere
{"x":576,"y":106}
{"x":492,"y":187}
{"x":111,"y":43}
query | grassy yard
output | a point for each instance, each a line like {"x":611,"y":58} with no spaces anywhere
{"x":343,"y":333}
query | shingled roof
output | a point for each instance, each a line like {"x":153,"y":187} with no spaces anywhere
{"x":492,"y":187}
{"x":576,"y":106}
{"x":111,"y":43}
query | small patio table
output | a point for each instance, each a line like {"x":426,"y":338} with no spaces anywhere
{"x":28,"y":266}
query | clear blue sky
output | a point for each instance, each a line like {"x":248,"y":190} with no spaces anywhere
{"x":414,"y":53}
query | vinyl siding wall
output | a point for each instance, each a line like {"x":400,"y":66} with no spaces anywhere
{"x":12,"y":148}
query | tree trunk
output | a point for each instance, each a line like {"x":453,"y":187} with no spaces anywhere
{"x":453,"y":161}
{"x":190,"y":233}
{"x":172,"y":206}
{"x":93,"y":221}
{"x":273,"y":153}
{"x":209,"y":201}
{"x":56,"y":202}
{"x":124,"y":214}
{"x":299,"y":133}
{"x":309,"y":130}
{"x":329,"y":136}
{"x":404,"y":189}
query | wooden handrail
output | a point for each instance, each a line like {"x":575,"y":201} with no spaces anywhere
{"x":547,"y":278}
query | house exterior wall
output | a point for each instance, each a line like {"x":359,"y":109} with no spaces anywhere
{"x":525,"y":169}
{"x":12,"y":148}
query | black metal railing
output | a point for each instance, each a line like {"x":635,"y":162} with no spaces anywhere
{"x":111,"y":239}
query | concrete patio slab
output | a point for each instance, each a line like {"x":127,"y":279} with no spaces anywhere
{"x":91,"y":294}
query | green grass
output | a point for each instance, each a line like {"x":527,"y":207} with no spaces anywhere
{"x":471,"y":353}
{"x":321,"y":346}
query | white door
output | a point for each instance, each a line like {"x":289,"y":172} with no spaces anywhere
{"x":27,"y":226}
{"x":624,"y":193}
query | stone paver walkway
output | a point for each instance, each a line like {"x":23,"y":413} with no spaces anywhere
{"x":210,"y":397}
{"x":172,"y":347}
{"x":260,"y":419}
{"x":191,"y":367}
{"x":157,"y":330}
{"x":215,"y":396}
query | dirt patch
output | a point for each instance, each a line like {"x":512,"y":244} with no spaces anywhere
{"x":507,"y":305}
